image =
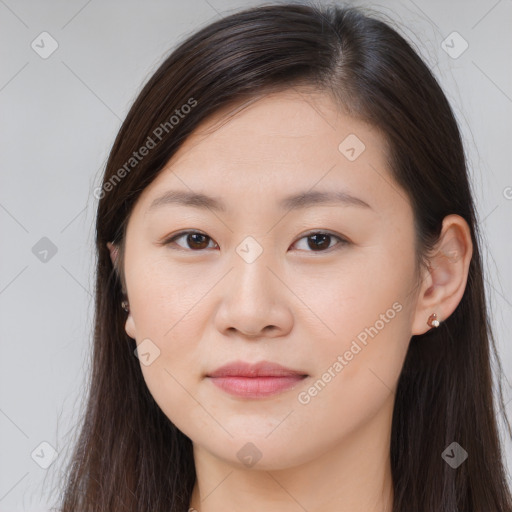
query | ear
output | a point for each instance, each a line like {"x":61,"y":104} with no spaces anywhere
{"x":130,"y":324}
{"x":113,"y":252}
{"x":444,"y":282}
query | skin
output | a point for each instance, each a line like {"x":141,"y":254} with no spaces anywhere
{"x":205,"y":307}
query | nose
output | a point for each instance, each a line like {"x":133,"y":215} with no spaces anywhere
{"x":254,"y":301}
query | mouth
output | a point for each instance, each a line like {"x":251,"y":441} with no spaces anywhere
{"x":256,"y":387}
{"x":255,"y":380}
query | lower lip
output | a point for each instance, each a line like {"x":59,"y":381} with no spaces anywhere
{"x":256,"y":387}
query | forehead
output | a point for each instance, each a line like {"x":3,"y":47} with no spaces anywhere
{"x":278,"y":144}
{"x":309,"y":123}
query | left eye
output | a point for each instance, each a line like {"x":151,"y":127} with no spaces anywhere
{"x":320,"y":241}
{"x":317,"y":241}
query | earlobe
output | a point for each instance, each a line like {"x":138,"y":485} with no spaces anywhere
{"x":129,"y":327}
{"x":445,"y":279}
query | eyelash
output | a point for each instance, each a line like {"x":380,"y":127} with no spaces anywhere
{"x":341,"y":241}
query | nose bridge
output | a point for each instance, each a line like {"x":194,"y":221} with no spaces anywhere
{"x":252,"y":278}
{"x":251,"y":301}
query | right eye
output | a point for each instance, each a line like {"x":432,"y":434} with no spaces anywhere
{"x":195,"y":240}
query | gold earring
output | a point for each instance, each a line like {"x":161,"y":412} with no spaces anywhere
{"x":432,"y":320}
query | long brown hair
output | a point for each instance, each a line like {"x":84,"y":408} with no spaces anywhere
{"x":129,"y":455}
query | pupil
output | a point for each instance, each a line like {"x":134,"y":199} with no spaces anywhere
{"x":322,"y":243}
{"x":195,"y":243}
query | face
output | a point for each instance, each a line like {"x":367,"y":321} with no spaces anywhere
{"x":325,"y":288}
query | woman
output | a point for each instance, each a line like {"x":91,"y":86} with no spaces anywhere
{"x":290,"y":309}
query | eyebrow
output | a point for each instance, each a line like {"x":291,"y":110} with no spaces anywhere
{"x":292,"y":202}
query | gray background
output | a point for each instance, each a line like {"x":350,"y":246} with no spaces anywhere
{"x":59,"y":117}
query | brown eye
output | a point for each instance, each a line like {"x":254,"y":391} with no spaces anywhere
{"x":197,"y":241}
{"x":194,"y":240}
{"x":320,"y":242}
{"x":316,"y":241}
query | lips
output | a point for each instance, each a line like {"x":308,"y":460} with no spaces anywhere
{"x":261,"y":369}
{"x":258,"y":380}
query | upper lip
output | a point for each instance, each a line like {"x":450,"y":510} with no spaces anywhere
{"x":261,"y":369}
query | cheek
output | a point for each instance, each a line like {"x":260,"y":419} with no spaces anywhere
{"x":357,"y":370}
{"x":361,"y":343}
{"x":164,"y":305}
{"x":173,"y":389}
{"x":366,"y":289}
{"x":174,"y":374}
{"x":164,"y":297}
